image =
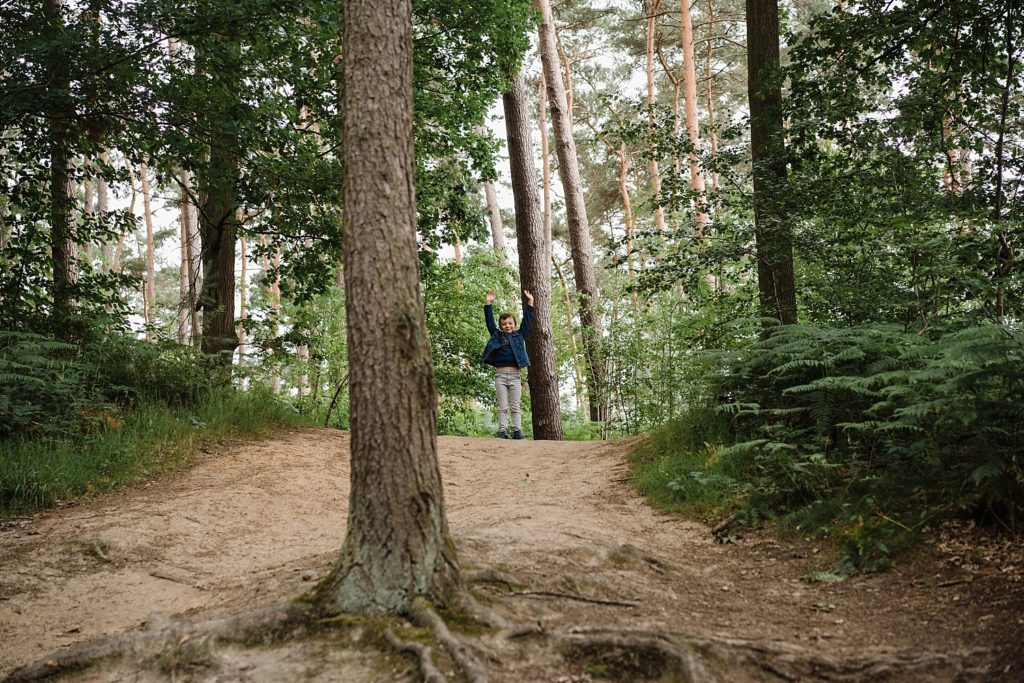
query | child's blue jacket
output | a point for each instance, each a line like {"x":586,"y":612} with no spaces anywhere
{"x":516,"y":338}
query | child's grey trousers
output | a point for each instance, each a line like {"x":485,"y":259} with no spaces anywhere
{"x":509,"y":390}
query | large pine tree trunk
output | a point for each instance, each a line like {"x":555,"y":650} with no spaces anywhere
{"x":397,"y":545}
{"x":218,"y":224}
{"x":576,"y":214}
{"x":775,"y":280}
{"x":533,"y":268}
{"x":63,"y":248}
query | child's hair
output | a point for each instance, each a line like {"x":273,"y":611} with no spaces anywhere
{"x":502,"y":317}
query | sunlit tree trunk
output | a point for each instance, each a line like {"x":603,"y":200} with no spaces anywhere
{"x":708,"y":79}
{"x":147,"y":214}
{"x":773,"y":241}
{"x":627,"y":214}
{"x":397,"y":545}
{"x":88,"y":209}
{"x":692,"y":129}
{"x":576,"y":214}
{"x":652,"y":163}
{"x":543,"y":376}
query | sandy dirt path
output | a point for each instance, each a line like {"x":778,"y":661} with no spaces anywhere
{"x":254,"y":524}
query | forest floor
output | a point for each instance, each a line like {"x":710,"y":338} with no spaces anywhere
{"x":256,"y":524}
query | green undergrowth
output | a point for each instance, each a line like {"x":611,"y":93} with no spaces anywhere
{"x":861,"y":436}
{"x":126,"y":445}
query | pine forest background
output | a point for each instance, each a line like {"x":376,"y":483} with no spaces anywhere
{"x":805,"y":273}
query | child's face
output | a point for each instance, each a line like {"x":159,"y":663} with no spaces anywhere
{"x":507,"y":324}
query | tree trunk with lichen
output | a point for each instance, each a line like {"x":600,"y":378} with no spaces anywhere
{"x":397,"y":546}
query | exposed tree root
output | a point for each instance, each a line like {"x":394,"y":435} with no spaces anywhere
{"x":578,"y":598}
{"x":692,"y":664}
{"x":423,"y":652}
{"x":261,"y":623}
{"x":652,"y":651}
{"x":425,"y":615}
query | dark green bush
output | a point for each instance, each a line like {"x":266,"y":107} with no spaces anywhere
{"x":864,"y":432}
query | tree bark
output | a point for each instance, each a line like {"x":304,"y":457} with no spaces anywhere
{"x":243,"y":291}
{"x":63,"y":248}
{"x":692,"y":129}
{"x":543,"y":376}
{"x":218,"y":224}
{"x":775,"y":279}
{"x":497,"y":230}
{"x":102,"y":206}
{"x":147,"y":214}
{"x":652,"y":163}
{"x":545,"y":163}
{"x":576,"y":214}
{"x":397,"y":545}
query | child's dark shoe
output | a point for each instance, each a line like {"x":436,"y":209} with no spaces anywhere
{"x":502,"y":434}
{"x":518,"y":434}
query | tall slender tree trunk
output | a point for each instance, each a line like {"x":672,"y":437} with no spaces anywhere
{"x":497,"y":230}
{"x":712,"y":133}
{"x":102,"y":207}
{"x":545,"y":162}
{"x":692,"y":129}
{"x":63,"y":248}
{"x":1006,"y":258}
{"x":652,"y":163}
{"x":243,"y":292}
{"x":397,"y":545}
{"x":186,"y":307}
{"x":569,"y":317}
{"x":576,"y":214}
{"x":775,"y":280}
{"x":628,"y":218}
{"x":147,"y":214}
{"x":543,"y":375}
{"x":115,"y":265}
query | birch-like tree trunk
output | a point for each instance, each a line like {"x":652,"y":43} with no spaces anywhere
{"x":775,"y":280}
{"x":692,"y":129}
{"x":397,"y":546}
{"x":543,"y":375}
{"x":576,"y":215}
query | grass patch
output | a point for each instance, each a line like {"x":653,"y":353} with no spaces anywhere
{"x":151,"y":440}
{"x":680,"y":468}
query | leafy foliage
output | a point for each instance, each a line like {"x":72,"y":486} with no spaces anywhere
{"x":866,"y":431}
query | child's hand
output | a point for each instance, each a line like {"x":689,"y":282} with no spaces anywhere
{"x":490,"y":298}
{"x":529,"y":297}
